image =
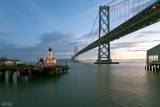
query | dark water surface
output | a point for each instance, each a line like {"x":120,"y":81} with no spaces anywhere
{"x":87,"y":85}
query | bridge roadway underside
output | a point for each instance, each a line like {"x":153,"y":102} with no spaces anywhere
{"x":148,"y":16}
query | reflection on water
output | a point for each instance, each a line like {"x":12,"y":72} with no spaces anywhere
{"x":25,"y":78}
{"x":86,"y":84}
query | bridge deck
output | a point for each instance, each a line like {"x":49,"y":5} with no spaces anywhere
{"x":143,"y":19}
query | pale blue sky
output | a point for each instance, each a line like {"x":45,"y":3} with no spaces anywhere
{"x":29,"y":27}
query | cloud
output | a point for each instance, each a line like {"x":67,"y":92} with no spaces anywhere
{"x":3,"y":34}
{"x":88,"y":38}
{"x":132,"y":44}
{"x":41,"y":14}
{"x":136,"y":50}
{"x":7,"y":39}
{"x":150,"y":32}
{"x":62,"y":43}
{"x":123,"y":45}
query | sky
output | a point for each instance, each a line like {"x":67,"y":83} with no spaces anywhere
{"x":29,"y":27}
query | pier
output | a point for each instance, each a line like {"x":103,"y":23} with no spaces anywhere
{"x":153,"y":59}
{"x":31,"y":70}
{"x":153,"y":67}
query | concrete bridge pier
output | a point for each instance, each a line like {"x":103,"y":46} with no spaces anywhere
{"x":108,"y":61}
{"x":156,"y":68}
{"x":51,"y":72}
{"x":147,"y":67}
{"x":29,"y":74}
{"x":19,"y":76}
{"x":2,"y":75}
{"x":153,"y":68}
{"x":10,"y":75}
{"x":18,"y":73}
{"x":58,"y":71}
{"x":150,"y":68}
{"x":63,"y":70}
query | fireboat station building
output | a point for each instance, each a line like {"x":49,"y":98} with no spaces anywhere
{"x":48,"y":67}
{"x":153,"y":58}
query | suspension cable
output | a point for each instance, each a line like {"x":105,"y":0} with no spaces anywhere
{"x":94,"y":35}
{"x":91,"y":29}
{"x":97,"y":17}
{"x":119,"y":3}
{"x":110,"y":2}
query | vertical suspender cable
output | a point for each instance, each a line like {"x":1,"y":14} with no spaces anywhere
{"x":91,"y":29}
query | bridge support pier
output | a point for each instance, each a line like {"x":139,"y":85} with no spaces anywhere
{"x":99,"y":61}
{"x":104,"y":28}
{"x":2,"y":75}
{"x":10,"y":75}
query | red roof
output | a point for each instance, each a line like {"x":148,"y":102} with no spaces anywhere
{"x":50,"y":49}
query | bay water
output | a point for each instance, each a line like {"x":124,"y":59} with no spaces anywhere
{"x":87,"y":85}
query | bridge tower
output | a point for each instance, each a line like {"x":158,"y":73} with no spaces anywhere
{"x":104,"y":28}
{"x":74,"y":59}
{"x":75,"y":51}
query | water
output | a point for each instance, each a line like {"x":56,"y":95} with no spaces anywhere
{"x":87,"y":85}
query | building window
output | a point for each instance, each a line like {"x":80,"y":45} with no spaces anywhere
{"x":153,"y":58}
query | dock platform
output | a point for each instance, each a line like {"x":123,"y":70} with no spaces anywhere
{"x":153,"y":67}
{"x":24,"y":69}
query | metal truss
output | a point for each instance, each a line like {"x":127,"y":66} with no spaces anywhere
{"x":104,"y":25}
{"x":147,"y":17}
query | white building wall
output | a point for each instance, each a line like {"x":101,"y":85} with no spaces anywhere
{"x":153,"y":51}
{"x":12,"y":62}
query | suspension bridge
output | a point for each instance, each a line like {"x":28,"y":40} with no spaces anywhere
{"x":117,"y":19}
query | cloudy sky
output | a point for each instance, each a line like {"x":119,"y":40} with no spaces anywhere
{"x":29,"y":27}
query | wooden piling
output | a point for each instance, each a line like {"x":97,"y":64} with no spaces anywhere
{"x":10,"y":75}
{"x":29,"y":74}
{"x":156,"y":68}
{"x":147,"y":67}
{"x":63,"y":70}
{"x":2,"y":75}
{"x":18,"y":73}
{"x":153,"y":68}
{"x":19,"y":76}
{"x":150,"y":68}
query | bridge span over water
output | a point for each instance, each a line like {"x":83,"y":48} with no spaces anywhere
{"x":144,"y":18}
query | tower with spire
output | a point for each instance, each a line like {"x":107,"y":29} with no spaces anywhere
{"x":50,"y":60}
